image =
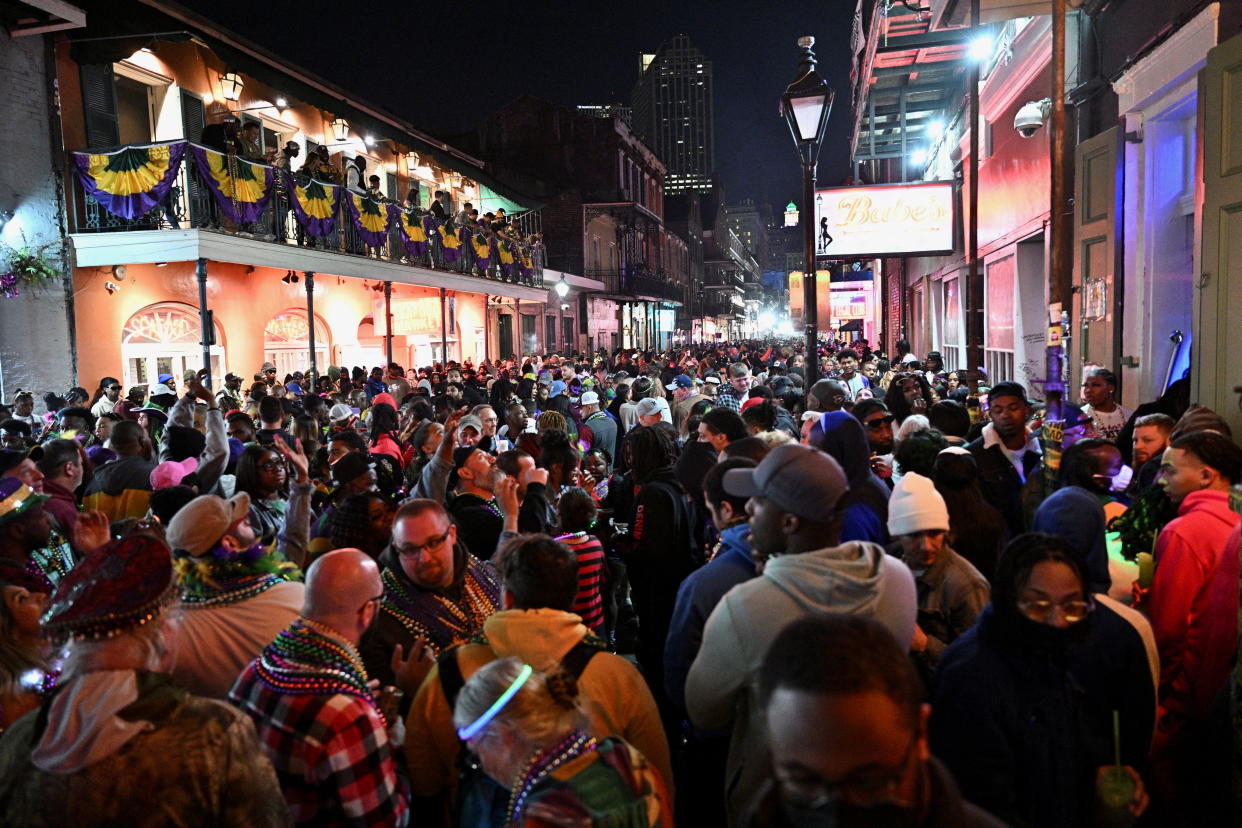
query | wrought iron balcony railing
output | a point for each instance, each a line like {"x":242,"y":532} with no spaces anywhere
{"x":399,"y":234}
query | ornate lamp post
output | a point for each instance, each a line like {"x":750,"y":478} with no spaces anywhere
{"x":805,"y":105}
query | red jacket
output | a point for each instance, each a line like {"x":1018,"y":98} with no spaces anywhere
{"x":1194,"y":604}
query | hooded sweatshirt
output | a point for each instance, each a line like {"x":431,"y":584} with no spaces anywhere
{"x":840,"y":435}
{"x":1194,"y":620}
{"x":723,"y":684}
{"x":1075,"y":515}
{"x":614,"y":694}
{"x":121,"y":489}
{"x":698,"y":596}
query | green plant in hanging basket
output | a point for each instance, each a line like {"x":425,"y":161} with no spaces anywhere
{"x":28,"y":264}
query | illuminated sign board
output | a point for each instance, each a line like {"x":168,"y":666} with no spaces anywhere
{"x":885,"y":220}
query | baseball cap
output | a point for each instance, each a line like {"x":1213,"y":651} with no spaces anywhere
{"x":201,"y":523}
{"x":651,"y":405}
{"x":712,"y":379}
{"x":340,"y":411}
{"x":171,"y":472}
{"x":350,"y":467}
{"x":797,"y":478}
{"x":682,"y":381}
{"x":470,"y":421}
{"x":558,"y":387}
{"x":161,"y":388}
{"x":589,"y":398}
{"x":1007,"y":389}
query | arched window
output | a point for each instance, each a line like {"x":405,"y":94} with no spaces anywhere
{"x":286,"y":342}
{"x":164,"y":339}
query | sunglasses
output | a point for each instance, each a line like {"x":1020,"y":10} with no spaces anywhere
{"x":874,"y":425}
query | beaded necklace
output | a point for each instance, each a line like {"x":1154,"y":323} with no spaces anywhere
{"x":457,"y":619}
{"x":542,"y":762}
{"x":231,"y":591}
{"x":488,"y":505}
{"x":308,"y":659}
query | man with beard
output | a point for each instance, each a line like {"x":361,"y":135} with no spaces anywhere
{"x":435,"y":592}
{"x":848,"y":734}
{"x":235,"y":596}
{"x":475,"y":509}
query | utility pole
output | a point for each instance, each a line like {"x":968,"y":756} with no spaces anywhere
{"x":974,"y":277}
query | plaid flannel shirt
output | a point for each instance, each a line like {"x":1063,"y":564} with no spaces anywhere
{"x":331,"y":755}
{"x":728,"y":398}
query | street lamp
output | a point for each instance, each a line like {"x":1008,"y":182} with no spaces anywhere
{"x":805,"y":105}
{"x":561,"y":288}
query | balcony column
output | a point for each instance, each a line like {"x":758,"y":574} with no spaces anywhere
{"x":309,"y":278}
{"x":205,"y":317}
{"x":388,"y":321}
{"x":443,"y":332}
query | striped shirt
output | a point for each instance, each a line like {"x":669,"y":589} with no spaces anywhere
{"x":588,"y":605}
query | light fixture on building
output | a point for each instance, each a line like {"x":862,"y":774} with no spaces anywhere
{"x":290,"y":278}
{"x":561,"y":288}
{"x":411,"y":163}
{"x":231,"y":86}
{"x":369,"y":141}
{"x":340,"y":129}
{"x":111,"y":287}
{"x":119,"y":272}
{"x":935,"y":129}
{"x":5,"y":217}
{"x":980,"y":48}
{"x":918,"y":157}
{"x":281,"y":102}
{"x":454,"y":180}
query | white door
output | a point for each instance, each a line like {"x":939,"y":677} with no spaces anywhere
{"x":1216,"y":367}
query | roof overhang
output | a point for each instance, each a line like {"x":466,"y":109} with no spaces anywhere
{"x":24,"y":18}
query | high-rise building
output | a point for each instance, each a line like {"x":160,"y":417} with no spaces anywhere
{"x":672,"y":113}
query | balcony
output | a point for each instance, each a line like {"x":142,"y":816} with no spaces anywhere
{"x":402,"y":235}
{"x":639,"y":283}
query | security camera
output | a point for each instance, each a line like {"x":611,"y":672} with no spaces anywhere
{"x":1030,"y":118}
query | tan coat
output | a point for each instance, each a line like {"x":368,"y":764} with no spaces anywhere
{"x":615,"y":695}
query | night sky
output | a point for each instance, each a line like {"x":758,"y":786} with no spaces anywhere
{"x":446,"y":65}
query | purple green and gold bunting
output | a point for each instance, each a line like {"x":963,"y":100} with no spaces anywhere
{"x":413,"y":236}
{"x":314,"y":206}
{"x":241,"y":188}
{"x":506,"y":257}
{"x":371,"y":219}
{"x":482,"y":247}
{"x":130,"y":182}
{"x":450,"y":243}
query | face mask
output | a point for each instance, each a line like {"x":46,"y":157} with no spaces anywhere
{"x":833,"y":814}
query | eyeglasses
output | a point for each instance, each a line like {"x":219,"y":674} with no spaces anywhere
{"x":875,"y":424}
{"x":413,"y":550}
{"x":1072,"y":611}
{"x":371,"y":601}
{"x":866,"y":788}
{"x":272,"y":465}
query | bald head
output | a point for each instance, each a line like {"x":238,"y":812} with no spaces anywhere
{"x":341,"y":591}
{"x":827,"y":395}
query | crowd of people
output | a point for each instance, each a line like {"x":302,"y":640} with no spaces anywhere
{"x":618,"y":589}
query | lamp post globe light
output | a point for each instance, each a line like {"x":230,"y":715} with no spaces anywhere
{"x":805,"y":105}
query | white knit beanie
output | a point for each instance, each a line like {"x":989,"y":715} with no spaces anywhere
{"x":916,"y":506}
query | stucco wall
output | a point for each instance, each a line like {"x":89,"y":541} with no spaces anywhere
{"x":35,"y":342}
{"x":243,"y":300}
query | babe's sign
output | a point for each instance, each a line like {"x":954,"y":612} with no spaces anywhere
{"x":885,"y":220}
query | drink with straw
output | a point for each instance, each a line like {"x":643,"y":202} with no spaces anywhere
{"x":1115,"y":788}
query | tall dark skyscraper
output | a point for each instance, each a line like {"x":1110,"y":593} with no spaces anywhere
{"x":672,"y":113}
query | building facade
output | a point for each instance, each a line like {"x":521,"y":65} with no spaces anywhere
{"x":672,"y":113}
{"x":348,"y":264}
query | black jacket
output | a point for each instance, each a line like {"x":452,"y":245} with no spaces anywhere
{"x":1001,"y":486}
{"x":478,"y":527}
